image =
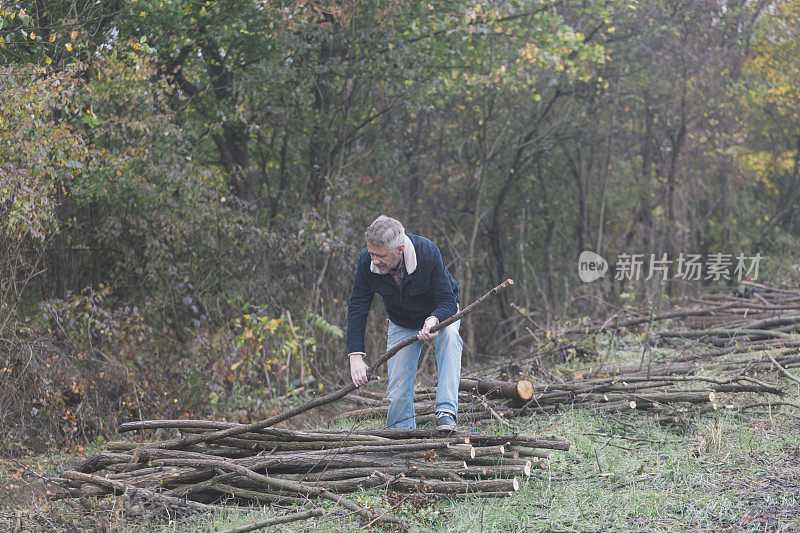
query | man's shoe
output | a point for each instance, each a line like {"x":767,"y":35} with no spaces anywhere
{"x":445,"y":421}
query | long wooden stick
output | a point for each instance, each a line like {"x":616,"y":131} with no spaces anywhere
{"x":275,"y":521}
{"x":330,"y":398}
{"x":700,"y":333}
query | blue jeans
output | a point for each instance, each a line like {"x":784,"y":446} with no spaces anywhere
{"x":403,"y":373}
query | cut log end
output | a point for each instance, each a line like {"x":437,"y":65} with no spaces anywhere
{"x":525,"y":389}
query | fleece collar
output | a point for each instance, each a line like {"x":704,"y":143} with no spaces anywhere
{"x":409,"y":257}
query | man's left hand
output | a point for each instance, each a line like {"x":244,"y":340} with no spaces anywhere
{"x":425,"y":333}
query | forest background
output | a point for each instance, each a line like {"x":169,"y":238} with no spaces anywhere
{"x":184,"y":185}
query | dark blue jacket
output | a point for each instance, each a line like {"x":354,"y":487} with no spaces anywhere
{"x":427,"y":289}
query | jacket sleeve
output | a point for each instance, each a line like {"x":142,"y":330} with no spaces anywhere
{"x":357,"y":312}
{"x":441,"y":290}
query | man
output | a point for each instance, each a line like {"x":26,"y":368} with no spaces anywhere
{"x":418,"y":292}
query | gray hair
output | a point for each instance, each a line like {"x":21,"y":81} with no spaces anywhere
{"x":385,"y":231}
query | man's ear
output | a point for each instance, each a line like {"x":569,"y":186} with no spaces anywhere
{"x":401,"y":248}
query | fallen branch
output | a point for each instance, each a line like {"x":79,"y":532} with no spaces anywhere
{"x":305,"y":515}
{"x":783,"y":370}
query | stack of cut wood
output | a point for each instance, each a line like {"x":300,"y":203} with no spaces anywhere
{"x":770,"y":316}
{"x":759,"y":326}
{"x":759,"y":313}
{"x":641,"y":392}
{"x":657,"y":389}
{"x":471,"y":390}
{"x":292,"y":466}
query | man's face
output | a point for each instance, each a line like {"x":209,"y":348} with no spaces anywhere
{"x":384,"y":258}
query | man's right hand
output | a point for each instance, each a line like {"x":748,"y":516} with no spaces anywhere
{"x":358,"y":369}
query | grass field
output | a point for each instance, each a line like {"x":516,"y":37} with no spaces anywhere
{"x":726,"y":470}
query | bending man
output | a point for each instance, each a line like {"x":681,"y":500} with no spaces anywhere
{"x":418,"y":292}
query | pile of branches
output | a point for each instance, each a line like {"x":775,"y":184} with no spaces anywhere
{"x":472,"y":392}
{"x":283,"y":466}
{"x":758,"y":313}
{"x":768,"y":315}
{"x":660,"y":392}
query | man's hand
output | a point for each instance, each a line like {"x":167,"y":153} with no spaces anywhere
{"x":425,"y":333}
{"x":358,"y":369}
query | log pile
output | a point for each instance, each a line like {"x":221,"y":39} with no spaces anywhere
{"x":663,"y":388}
{"x":282,"y":466}
{"x":771,"y":316}
{"x":759,"y":313}
{"x":654,"y":393}
{"x":731,"y":335}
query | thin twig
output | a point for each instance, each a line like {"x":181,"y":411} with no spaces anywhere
{"x":783,"y":370}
